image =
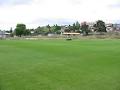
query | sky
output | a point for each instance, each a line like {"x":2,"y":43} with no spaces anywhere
{"x":36,"y":13}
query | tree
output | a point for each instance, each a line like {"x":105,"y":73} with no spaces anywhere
{"x":20,"y":29}
{"x":74,"y":27}
{"x":77,"y":25}
{"x":27,"y":32}
{"x":100,"y":26}
{"x":11,"y":32}
{"x":38,"y":30}
{"x":84,"y":28}
{"x":48,"y":26}
{"x":56,"y":29}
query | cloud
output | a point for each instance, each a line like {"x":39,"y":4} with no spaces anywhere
{"x":14,"y":2}
{"x":59,"y":21}
{"x":42,"y":12}
{"x":116,"y":5}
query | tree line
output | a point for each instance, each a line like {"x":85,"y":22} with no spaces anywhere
{"x":21,"y":29}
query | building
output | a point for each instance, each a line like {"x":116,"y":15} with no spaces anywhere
{"x":4,"y":34}
{"x":112,"y":27}
{"x":63,"y":29}
{"x":116,"y":27}
{"x":109,"y":27}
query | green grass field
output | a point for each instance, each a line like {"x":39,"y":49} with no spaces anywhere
{"x":60,"y":65}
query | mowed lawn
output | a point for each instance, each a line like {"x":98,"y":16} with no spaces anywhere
{"x":60,"y":65}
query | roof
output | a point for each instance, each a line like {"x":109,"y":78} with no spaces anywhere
{"x":71,"y":33}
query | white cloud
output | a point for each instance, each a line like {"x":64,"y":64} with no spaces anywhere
{"x":41,"y":12}
{"x":14,"y":2}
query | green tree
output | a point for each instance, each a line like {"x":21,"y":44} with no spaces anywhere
{"x":74,"y":27}
{"x":20,"y":29}
{"x":11,"y":32}
{"x":84,"y":28}
{"x":27,"y":32}
{"x":49,"y":28}
{"x":44,"y":30}
{"x":56,"y":29}
{"x":100,"y":26}
{"x":77,"y":25}
{"x":38,"y":30}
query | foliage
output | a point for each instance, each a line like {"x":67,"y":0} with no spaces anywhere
{"x":49,"y":28}
{"x":100,"y":26}
{"x":84,"y":28}
{"x":75,"y":27}
{"x":11,"y":31}
{"x":38,"y":30}
{"x":27,"y":32}
{"x":56,"y":29}
{"x":44,"y":30}
{"x":20,"y":29}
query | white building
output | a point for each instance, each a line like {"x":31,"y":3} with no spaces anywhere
{"x":4,"y":34}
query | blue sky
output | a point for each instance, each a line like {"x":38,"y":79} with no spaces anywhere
{"x":41,"y":12}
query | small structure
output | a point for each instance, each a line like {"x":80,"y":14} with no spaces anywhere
{"x":63,"y":28}
{"x":113,"y":27}
{"x":109,"y":27}
{"x":116,"y":27}
{"x":71,"y":33}
{"x":4,"y":34}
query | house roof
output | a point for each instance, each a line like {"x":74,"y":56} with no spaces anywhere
{"x":71,"y":33}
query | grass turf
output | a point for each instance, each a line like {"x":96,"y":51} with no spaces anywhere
{"x":60,"y":65}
